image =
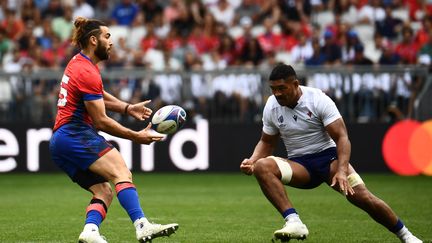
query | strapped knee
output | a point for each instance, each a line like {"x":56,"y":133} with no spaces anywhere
{"x":354,"y":179}
{"x":284,"y":168}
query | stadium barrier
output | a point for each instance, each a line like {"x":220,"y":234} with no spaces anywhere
{"x":198,"y":147}
{"x":363,"y":94}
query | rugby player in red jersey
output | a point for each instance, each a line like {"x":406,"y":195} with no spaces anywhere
{"x":77,"y":148}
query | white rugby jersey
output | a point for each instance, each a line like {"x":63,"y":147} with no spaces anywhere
{"x":302,"y":129}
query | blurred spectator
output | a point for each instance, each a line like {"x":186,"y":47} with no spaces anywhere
{"x":371,"y":12}
{"x":124,"y":13}
{"x":62,"y":26}
{"x":183,"y":22}
{"x":103,"y":10}
{"x":390,"y":26}
{"x":422,"y":35}
{"x":389,"y":56}
{"x":54,"y":9}
{"x":223,"y":12}
{"x":198,"y":11}
{"x":331,"y":49}
{"x":150,"y":40}
{"x":252,"y":53}
{"x":270,"y":41}
{"x":302,"y":51}
{"x":83,"y":9}
{"x":248,"y":9}
{"x":162,"y":28}
{"x":227,"y":49}
{"x":359,"y":58}
{"x":5,"y":44}
{"x":268,"y":9}
{"x":407,"y":49}
{"x":348,"y":51}
{"x":172,"y":11}
{"x":13,"y":25}
{"x":150,"y":9}
{"x":296,"y":10}
{"x":425,"y":53}
{"x":46,"y":39}
{"x":318,"y":57}
{"x":29,"y":12}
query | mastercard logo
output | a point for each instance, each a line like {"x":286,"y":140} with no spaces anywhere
{"x":407,"y":148}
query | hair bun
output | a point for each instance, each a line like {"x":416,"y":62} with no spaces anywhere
{"x":80,"y":21}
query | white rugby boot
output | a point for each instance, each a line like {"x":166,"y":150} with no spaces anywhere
{"x":410,"y":238}
{"x":91,"y":236}
{"x":293,"y":229}
{"x":146,"y":231}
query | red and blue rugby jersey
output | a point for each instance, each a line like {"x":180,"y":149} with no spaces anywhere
{"x":81,"y":82}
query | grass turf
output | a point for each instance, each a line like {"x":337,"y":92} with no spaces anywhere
{"x":209,"y":208}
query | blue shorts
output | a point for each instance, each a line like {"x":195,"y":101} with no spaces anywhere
{"x":318,"y":166}
{"x":74,"y":147}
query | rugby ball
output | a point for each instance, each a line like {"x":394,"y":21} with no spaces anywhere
{"x":168,"y":119}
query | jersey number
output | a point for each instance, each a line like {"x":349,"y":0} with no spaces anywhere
{"x":63,"y":92}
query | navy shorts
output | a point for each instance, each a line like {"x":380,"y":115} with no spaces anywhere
{"x":318,"y":166}
{"x":74,"y":148}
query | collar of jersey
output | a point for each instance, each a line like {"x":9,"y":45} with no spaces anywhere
{"x":86,"y":57}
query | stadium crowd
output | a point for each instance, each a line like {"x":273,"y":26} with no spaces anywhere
{"x":213,"y":35}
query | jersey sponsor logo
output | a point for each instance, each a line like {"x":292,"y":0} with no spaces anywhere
{"x":406,"y":148}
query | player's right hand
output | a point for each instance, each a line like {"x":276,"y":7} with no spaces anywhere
{"x":148,"y":135}
{"x":247,"y":166}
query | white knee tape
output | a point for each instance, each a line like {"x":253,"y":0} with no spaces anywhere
{"x":284,"y":168}
{"x":354,"y":179}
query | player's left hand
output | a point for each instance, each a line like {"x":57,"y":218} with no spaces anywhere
{"x":139,"y":110}
{"x":340,"y":180}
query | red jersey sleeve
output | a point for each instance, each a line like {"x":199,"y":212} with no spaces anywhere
{"x":90,"y":84}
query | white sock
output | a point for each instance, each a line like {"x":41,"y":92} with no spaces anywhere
{"x":402,"y":232}
{"x":293,"y":217}
{"x":91,"y":227}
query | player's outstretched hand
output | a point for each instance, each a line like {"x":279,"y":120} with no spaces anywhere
{"x":148,"y":135}
{"x":340,"y":183}
{"x":139,"y":110}
{"x":247,"y":166}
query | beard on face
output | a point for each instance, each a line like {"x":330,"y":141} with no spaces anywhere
{"x":101,"y":52}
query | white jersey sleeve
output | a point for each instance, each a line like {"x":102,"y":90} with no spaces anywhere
{"x":268,"y":125}
{"x":327,"y":110}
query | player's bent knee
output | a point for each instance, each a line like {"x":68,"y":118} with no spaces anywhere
{"x":284,"y":168}
{"x":354,"y":180}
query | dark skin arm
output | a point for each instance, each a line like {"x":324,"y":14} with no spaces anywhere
{"x":338,"y":132}
{"x":264,"y":148}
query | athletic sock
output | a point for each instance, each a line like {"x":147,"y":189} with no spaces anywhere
{"x":290,"y":214}
{"x":400,"y":230}
{"x":128,"y":198}
{"x":91,"y":227}
{"x":96,"y":212}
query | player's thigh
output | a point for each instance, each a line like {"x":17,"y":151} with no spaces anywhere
{"x":112,"y":166}
{"x":291,"y":173}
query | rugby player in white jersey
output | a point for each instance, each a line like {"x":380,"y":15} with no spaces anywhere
{"x":318,"y":148}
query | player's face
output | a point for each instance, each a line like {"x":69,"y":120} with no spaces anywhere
{"x":287,"y":92}
{"x":104,"y":44}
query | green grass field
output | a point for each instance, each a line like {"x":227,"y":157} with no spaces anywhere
{"x":208,"y":207}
